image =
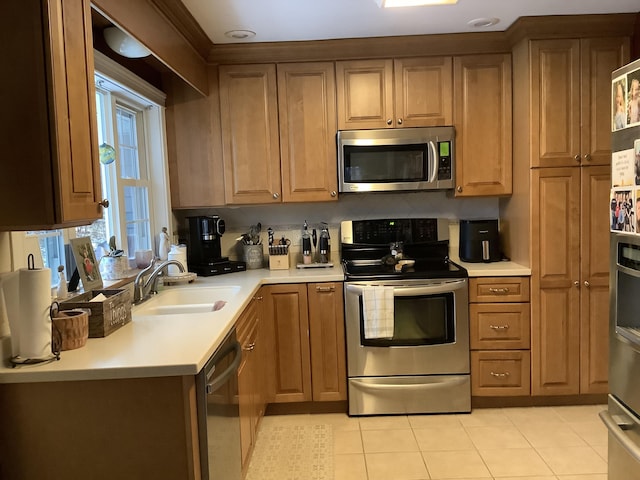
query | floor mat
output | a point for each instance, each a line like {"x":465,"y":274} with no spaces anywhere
{"x":293,"y":452}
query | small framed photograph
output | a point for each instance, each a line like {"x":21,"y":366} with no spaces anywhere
{"x":86,"y":263}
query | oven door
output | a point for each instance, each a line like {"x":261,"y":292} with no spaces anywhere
{"x":624,"y":334}
{"x":430,"y":335}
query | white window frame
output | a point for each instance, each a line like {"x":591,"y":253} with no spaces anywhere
{"x":151,"y":138}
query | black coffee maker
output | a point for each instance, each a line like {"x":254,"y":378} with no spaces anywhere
{"x":204,"y":253}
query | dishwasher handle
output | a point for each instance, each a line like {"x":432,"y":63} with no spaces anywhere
{"x":617,"y":431}
{"x":236,"y":348}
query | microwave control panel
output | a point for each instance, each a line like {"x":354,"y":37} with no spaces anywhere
{"x":444,"y":161}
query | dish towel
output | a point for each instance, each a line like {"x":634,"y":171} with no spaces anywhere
{"x":377,"y":311}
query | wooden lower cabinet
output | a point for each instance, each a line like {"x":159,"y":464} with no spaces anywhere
{"x":500,"y":373}
{"x":100,"y":429}
{"x":570,"y":280}
{"x":305,"y":339}
{"x":499,"y":319}
{"x":251,"y":398}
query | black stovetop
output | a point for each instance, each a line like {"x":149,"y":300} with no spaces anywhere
{"x":422,"y":269}
{"x":367,"y":253}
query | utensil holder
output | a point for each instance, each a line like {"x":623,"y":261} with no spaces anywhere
{"x":253,"y":256}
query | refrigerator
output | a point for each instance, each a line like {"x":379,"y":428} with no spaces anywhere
{"x":622,"y":417}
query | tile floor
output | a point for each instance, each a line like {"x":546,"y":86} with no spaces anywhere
{"x":536,"y":443}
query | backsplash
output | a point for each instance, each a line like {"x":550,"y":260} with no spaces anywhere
{"x":287,"y":219}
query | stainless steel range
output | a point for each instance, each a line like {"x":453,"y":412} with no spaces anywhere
{"x":407,"y":321}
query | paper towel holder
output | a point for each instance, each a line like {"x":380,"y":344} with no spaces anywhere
{"x":55,"y":355}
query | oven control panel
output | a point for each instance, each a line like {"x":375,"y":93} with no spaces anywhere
{"x":384,"y":231}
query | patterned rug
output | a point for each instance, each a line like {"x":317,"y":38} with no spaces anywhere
{"x":293,"y":452}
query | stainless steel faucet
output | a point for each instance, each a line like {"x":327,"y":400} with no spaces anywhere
{"x":143,"y":289}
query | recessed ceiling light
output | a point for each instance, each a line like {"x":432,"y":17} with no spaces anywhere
{"x":240,"y":34}
{"x":413,"y":3}
{"x":483,"y":22}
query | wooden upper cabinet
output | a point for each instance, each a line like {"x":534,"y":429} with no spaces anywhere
{"x":250,"y":143}
{"x":598,"y":58}
{"x":307,"y":118}
{"x":365,"y":94}
{"x":423,"y":92}
{"x":483,"y":121}
{"x":194,"y":145}
{"x":52,"y":172}
{"x":367,"y":97}
{"x":571,"y":85}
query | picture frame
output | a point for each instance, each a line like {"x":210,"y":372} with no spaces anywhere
{"x":86,"y":263}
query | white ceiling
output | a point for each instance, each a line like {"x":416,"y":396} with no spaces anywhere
{"x":289,"y":20}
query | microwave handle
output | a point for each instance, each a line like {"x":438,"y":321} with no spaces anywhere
{"x":434,"y":161}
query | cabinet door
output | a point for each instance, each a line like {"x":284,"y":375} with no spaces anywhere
{"x":288,"y":328}
{"x":365,"y":94}
{"x":194,"y":145}
{"x":306,"y":103}
{"x":51,"y":175}
{"x":555,"y":292}
{"x":599,"y":57}
{"x":555,"y":95}
{"x":423,"y":91}
{"x":250,"y":146}
{"x":482,"y":111}
{"x":326,"y":325}
{"x":594,"y":266}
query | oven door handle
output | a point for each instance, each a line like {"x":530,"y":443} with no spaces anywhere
{"x":444,"y":287}
{"x":372,"y":387}
{"x":617,"y":430}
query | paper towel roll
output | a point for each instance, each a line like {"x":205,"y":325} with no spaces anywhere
{"x":11,"y":289}
{"x":35,"y":322}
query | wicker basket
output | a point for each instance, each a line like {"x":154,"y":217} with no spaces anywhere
{"x":70,"y":329}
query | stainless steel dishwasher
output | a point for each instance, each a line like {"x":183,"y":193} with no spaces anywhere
{"x":218,"y":413}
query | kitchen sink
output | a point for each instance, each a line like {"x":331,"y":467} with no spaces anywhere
{"x":187,"y":300}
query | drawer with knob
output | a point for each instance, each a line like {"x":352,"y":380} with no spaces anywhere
{"x":499,"y":289}
{"x":500,"y":372}
{"x":499,"y":326}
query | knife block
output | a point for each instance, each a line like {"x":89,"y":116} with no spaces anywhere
{"x":279,"y":257}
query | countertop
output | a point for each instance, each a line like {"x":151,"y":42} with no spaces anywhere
{"x":168,"y":345}
{"x":165,"y":345}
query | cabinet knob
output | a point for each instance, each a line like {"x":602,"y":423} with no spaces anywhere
{"x":276,"y":195}
{"x":587,"y":157}
{"x":249,"y":347}
{"x":459,"y":189}
{"x":389,"y":121}
{"x":333,"y":193}
{"x":500,"y":375}
{"x":104,"y":203}
{"x":577,"y":158}
{"x":576,"y":283}
{"x":587,"y":284}
{"x":399,"y":121}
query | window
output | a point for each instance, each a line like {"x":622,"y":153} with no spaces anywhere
{"x":127,"y":180}
{"x":52,"y":249}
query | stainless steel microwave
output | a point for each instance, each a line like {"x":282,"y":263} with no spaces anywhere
{"x":396,"y":159}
